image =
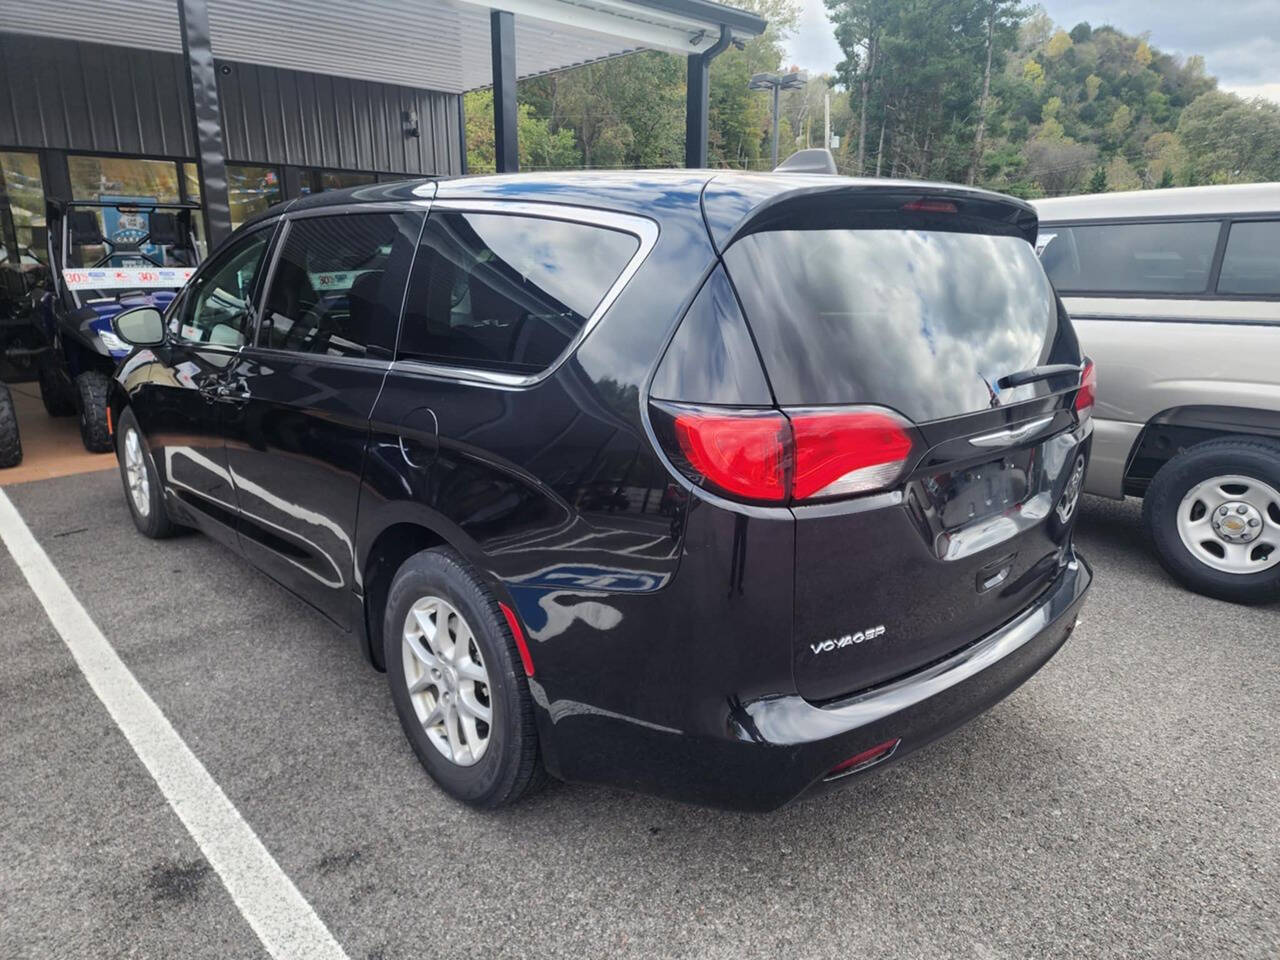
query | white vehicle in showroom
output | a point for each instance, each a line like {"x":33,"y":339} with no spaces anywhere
{"x":1175,"y":295}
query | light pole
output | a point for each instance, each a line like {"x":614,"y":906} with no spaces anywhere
{"x":776,"y":82}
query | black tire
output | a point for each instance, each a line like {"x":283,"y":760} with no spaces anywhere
{"x":58,"y":400}
{"x":1256,"y":458}
{"x":10,"y":441}
{"x":510,"y":766}
{"x":154,"y":522}
{"x":91,"y":403}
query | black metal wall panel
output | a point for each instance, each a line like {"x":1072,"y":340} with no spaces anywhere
{"x":73,"y":95}
{"x":286,"y":116}
{"x":86,"y":96}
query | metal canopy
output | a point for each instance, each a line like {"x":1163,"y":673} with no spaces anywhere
{"x":441,"y":45}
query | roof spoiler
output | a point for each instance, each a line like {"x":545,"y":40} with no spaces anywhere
{"x":813,"y":160}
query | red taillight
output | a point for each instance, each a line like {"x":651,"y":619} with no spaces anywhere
{"x":804,"y":455}
{"x":743,"y":454}
{"x":860,"y":761}
{"x":1087,"y":392}
{"x":924,"y":205}
{"x":847,"y":452}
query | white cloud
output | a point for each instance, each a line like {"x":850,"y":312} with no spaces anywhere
{"x":1269,"y":91}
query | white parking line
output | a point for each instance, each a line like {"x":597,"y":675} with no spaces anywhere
{"x":285,"y":923}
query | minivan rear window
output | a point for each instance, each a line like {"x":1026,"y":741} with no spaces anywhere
{"x":1158,"y":258}
{"x":921,"y":321}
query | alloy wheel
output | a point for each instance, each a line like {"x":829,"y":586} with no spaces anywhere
{"x":135,"y":470}
{"x":447,"y":680}
{"x":1232,"y":524}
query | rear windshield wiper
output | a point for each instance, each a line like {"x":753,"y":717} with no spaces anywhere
{"x":1035,"y":374}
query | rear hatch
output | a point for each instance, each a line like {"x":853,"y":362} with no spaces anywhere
{"x":924,"y":363}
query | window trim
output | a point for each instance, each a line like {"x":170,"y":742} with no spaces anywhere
{"x":1225,"y":220}
{"x":642,"y":228}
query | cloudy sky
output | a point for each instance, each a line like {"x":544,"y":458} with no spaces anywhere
{"x":1240,"y":39}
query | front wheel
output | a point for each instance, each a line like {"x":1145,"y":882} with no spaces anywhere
{"x":141,"y":482}
{"x":91,"y":402}
{"x":10,"y":442}
{"x":457,"y":682}
{"x":1213,"y":514}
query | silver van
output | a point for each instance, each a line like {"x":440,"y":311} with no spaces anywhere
{"x":1175,"y":295}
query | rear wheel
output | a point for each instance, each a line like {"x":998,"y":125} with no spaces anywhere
{"x":1213,"y":513}
{"x":91,"y":396}
{"x":141,"y":482}
{"x":10,"y":442}
{"x":58,"y":400}
{"x":457,"y":682}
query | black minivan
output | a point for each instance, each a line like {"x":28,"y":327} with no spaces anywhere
{"x":720,"y":486}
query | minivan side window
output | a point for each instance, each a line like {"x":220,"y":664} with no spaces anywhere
{"x":216,"y":308}
{"x":506,"y":292}
{"x":1153,"y":258}
{"x":1251,"y":265}
{"x":337,"y":284}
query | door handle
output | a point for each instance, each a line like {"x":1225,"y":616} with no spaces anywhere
{"x":224,"y":391}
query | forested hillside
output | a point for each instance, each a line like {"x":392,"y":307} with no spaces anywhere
{"x":978,"y":91}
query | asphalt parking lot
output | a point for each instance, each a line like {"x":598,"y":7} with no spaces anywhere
{"x":1121,"y":804}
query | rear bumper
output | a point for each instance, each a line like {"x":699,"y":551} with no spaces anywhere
{"x":775,"y":748}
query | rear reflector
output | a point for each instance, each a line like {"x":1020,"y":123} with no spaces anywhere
{"x":860,"y":761}
{"x":1088,"y":391}
{"x":522,"y":647}
{"x":795,"y":455}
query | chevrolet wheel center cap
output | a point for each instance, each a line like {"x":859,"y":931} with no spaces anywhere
{"x":1237,"y":522}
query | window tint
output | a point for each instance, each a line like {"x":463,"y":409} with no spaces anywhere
{"x":1252,"y":261}
{"x":1130,"y":257}
{"x":216,"y":307}
{"x":338,"y":282}
{"x":506,"y":292}
{"x":922,"y":321}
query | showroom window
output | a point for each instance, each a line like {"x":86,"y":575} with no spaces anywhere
{"x":340,"y":179}
{"x":22,"y":205}
{"x":1160,"y":258}
{"x":124,"y":178}
{"x":506,"y":292}
{"x":1251,"y":266}
{"x":251,"y":190}
{"x":337,"y":285}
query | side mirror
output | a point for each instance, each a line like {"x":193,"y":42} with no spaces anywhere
{"x":139,"y":327}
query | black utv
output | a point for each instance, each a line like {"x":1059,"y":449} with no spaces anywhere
{"x":106,"y":257}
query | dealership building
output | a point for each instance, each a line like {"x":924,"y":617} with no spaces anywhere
{"x":238,"y":104}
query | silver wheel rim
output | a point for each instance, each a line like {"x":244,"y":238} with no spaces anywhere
{"x":135,"y":472}
{"x":447,"y":680}
{"x":1232,"y":524}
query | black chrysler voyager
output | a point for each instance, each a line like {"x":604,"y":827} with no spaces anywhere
{"x":718,"y":486}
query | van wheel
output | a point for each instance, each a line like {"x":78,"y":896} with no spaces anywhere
{"x":91,"y":396}
{"x":1213,"y":514}
{"x":58,"y":401}
{"x":141,"y":481}
{"x":457,"y":682}
{"x":10,"y":442}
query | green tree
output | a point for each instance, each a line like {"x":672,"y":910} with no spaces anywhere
{"x":1098,"y":182}
{"x":1230,"y":139}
